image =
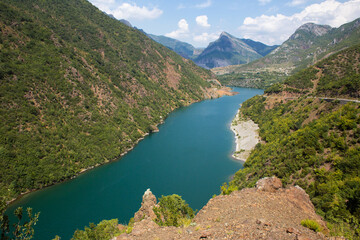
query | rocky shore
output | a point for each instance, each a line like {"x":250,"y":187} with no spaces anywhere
{"x":246,"y":136}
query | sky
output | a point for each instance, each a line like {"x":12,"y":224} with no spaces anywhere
{"x":200,"y":22}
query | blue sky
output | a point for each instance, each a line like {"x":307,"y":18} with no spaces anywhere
{"x":199,"y":22}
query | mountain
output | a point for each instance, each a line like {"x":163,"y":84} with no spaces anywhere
{"x":184,"y":49}
{"x":127,"y":23}
{"x":79,"y":89}
{"x":309,"y":44}
{"x":229,"y":50}
{"x":310,"y":127}
{"x":259,"y":47}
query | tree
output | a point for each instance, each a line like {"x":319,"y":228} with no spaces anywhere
{"x":22,"y":229}
{"x":172,"y":211}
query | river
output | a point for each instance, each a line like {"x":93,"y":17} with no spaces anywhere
{"x":190,"y":156}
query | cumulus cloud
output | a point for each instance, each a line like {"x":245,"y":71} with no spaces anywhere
{"x":132,"y":11}
{"x":277,"y":28}
{"x":127,"y":10}
{"x":182,"y":31}
{"x":202,"y":21}
{"x":264,"y":2}
{"x":103,"y":5}
{"x":204,"y":4}
{"x":206,"y":37}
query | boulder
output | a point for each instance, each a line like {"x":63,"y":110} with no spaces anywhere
{"x":269,"y":184}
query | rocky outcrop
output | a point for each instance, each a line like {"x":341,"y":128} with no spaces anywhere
{"x":267,"y":211}
{"x":146,"y":209}
{"x":268,"y":184}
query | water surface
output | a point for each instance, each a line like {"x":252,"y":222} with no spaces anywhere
{"x":190,"y":156}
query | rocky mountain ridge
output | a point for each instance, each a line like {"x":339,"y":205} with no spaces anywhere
{"x":229,"y":50}
{"x":309,"y":44}
{"x":184,"y":49}
{"x":267,"y":211}
{"x":226,"y":50}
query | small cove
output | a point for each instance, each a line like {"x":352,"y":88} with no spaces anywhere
{"x":190,"y":156}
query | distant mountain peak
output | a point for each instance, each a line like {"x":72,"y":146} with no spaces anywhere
{"x":126,"y":22}
{"x":229,"y":50}
{"x":225,"y":34}
{"x":312,"y":28}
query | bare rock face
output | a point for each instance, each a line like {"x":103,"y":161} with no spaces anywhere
{"x":146,"y":209}
{"x":300,"y":199}
{"x":268,"y":184}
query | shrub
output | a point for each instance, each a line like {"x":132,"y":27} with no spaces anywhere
{"x":173,"y":211}
{"x":106,"y":229}
{"x":311,"y":224}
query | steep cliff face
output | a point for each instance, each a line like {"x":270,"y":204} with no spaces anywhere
{"x":267,"y":211}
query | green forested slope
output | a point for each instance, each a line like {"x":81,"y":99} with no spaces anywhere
{"x":311,"y":142}
{"x":78,"y":89}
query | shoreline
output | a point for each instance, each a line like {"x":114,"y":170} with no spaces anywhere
{"x":84,"y":170}
{"x":218,"y":93}
{"x":246,"y":137}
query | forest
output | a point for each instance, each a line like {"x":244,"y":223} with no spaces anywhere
{"x":310,"y":142}
{"x":78,"y":89}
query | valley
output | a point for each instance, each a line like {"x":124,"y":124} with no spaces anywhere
{"x":94,"y":111}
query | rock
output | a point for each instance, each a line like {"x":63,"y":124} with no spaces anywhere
{"x":122,"y":227}
{"x":143,"y":226}
{"x":205,"y":234}
{"x":268,"y":184}
{"x":292,"y":230}
{"x":146,"y":209}
{"x":300,"y":198}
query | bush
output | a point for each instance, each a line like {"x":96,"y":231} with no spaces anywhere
{"x":106,"y":229}
{"x":173,"y":211}
{"x":311,"y":224}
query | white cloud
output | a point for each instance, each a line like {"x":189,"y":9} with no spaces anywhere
{"x":277,"y":28}
{"x":128,"y":11}
{"x":206,"y":37}
{"x":204,"y":4}
{"x":264,"y":2}
{"x":103,"y":5}
{"x":182,"y":31}
{"x":202,"y":21}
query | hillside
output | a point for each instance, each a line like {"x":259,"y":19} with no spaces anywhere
{"x":229,"y":50}
{"x":310,"y":131}
{"x":78,"y":89}
{"x":184,"y":49}
{"x":309,"y":44}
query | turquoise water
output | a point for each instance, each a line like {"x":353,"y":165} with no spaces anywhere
{"x":190,"y":156}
